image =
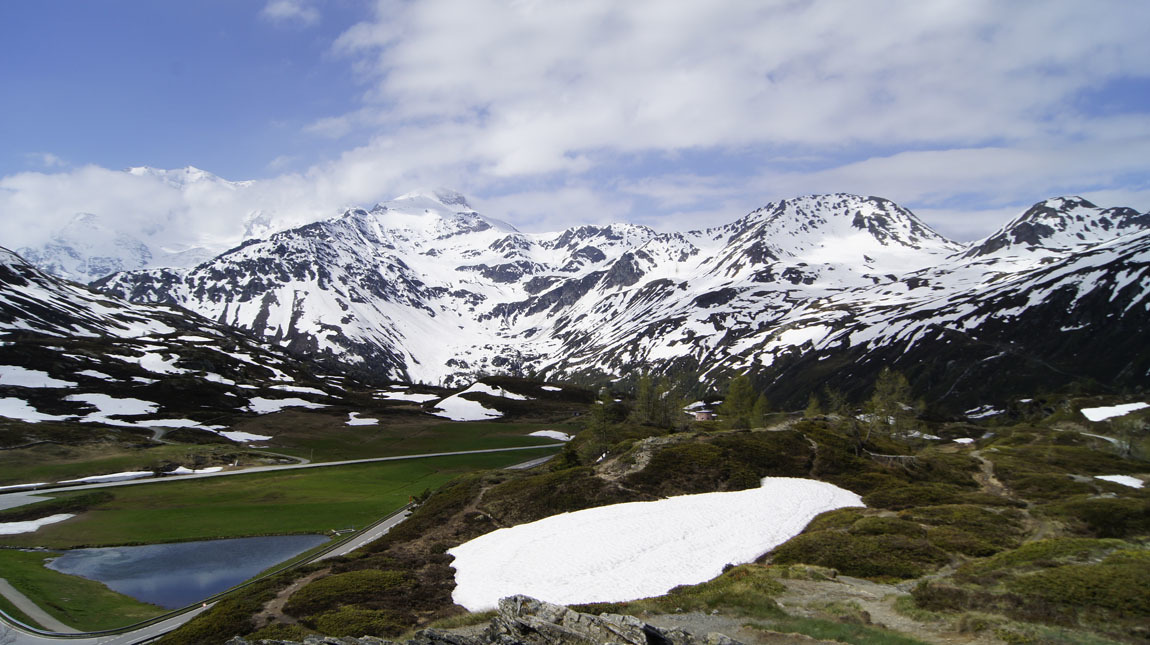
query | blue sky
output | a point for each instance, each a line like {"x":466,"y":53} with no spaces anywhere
{"x":546,"y":114}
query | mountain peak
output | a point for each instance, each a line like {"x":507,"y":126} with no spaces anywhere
{"x":442,"y":196}
{"x":1060,"y":223}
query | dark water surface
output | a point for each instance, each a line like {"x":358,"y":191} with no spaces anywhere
{"x":177,"y":575}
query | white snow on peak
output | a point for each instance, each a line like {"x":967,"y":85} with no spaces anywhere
{"x":639,"y":549}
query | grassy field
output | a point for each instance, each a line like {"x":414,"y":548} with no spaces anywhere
{"x":54,"y":462}
{"x":300,"y":501}
{"x":79,"y":603}
{"x":318,"y":436}
{"x":322,"y":436}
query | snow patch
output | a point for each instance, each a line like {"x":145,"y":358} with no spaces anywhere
{"x":1125,"y":480}
{"x":12,"y":528}
{"x":1108,"y":412}
{"x":406,"y":396}
{"x":14,"y":408}
{"x":551,"y":434}
{"x":353,"y":419}
{"x":261,"y":405}
{"x":638,"y":549}
{"x":114,"y":477}
{"x":19,"y":376}
{"x":243,"y":437}
{"x":551,"y":388}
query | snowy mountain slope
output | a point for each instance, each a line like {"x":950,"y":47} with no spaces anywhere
{"x":424,"y":288}
{"x":90,"y":246}
{"x":70,"y":354}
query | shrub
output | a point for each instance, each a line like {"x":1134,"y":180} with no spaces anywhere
{"x":887,"y":525}
{"x":1002,"y":529}
{"x":841,"y":518}
{"x":868,"y":556}
{"x":955,"y":540}
{"x":1121,"y":588}
{"x":356,"y":621}
{"x":531,"y":498}
{"x":1106,"y":517}
{"x":896,"y":498}
{"x":1041,"y":552}
{"x":344,"y":588}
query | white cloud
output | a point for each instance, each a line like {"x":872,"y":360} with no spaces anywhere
{"x":291,"y":11}
{"x":685,"y":115}
{"x":45,"y":160}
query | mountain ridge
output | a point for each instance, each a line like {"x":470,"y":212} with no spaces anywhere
{"x":421,"y":290}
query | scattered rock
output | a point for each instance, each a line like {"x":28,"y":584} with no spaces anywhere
{"x":526,"y":621}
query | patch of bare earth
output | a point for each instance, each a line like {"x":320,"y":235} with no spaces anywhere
{"x":875,"y":605}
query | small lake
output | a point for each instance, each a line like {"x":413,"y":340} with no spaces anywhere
{"x":180,"y":574}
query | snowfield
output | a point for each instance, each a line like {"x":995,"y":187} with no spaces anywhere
{"x":353,"y":419}
{"x":639,"y":549}
{"x":1102,"y":414}
{"x":457,"y":408}
{"x":260,"y":405}
{"x":12,"y":528}
{"x":1125,"y":480}
{"x":551,"y":434}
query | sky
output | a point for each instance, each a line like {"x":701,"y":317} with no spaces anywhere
{"x":674,"y":114}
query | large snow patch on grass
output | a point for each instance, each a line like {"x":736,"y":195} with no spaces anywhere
{"x":640,"y":549}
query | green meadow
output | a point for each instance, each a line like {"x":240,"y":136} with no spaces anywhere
{"x":313,"y":500}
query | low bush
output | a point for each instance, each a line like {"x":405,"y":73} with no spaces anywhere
{"x":887,"y":526}
{"x":1042,"y":553}
{"x":841,"y":518}
{"x":356,"y":621}
{"x":903,"y":496}
{"x":1000,"y":528}
{"x":729,"y":461}
{"x":1105,"y":517}
{"x":351,"y":587}
{"x":1118,"y":587}
{"x":534,"y":497}
{"x":232,"y":615}
{"x":956,"y":540}
{"x":746,"y":589}
{"x":867,"y":556}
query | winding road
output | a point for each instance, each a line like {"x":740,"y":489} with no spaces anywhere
{"x":153,"y":631}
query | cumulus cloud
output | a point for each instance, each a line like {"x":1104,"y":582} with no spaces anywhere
{"x":290,"y":11}
{"x":684,"y":115}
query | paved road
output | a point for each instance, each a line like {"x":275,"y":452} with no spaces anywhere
{"x":147,"y":633}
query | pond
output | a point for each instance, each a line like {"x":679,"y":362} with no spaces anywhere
{"x":180,"y":574}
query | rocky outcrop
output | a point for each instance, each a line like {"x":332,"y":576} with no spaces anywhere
{"x":526,"y":621}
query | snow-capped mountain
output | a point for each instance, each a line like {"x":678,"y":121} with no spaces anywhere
{"x":87,"y":248}
{"x":425,"y":288}
{"x":91,"y":246}
{"x":68,"y":353}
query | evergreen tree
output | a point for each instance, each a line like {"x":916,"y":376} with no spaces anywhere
{"x":759,"y":412}
{"x":645,"y":401}
{"x":888,"y":409}
{"x":739,"y":404}
{"x":814,"y":407}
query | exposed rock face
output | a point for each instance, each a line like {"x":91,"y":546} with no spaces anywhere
{"x":526,"y":621}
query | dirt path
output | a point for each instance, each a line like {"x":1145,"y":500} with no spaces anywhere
{"x":867,"y":600}
{"x":986,"y":478}
{"x":273,"y":611}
